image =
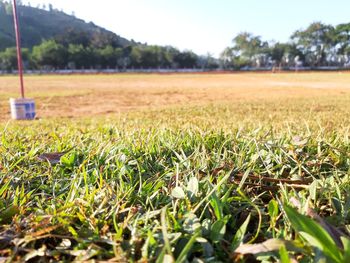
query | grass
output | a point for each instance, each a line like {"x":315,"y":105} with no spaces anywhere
{"x":265,"y":178}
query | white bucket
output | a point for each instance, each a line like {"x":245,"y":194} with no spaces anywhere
{"x":22,"y":109}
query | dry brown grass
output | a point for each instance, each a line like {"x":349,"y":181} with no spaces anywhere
{"x":91,"y":95}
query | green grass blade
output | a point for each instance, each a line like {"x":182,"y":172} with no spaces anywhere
{"x":185,"y":252}
{"x":239,"y":236}
{"x":302,"y":223}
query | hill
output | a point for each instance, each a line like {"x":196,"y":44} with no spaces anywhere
{"x":38,"y":25}
{"x":52,"y":39}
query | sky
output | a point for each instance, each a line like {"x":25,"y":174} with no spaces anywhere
{"x":203,"y":26}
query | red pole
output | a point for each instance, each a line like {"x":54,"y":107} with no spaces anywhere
{"x":18,"y":44}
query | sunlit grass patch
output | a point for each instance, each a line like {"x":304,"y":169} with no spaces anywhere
{"x":137,"y":187}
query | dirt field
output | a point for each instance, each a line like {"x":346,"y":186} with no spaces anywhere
{"x":91,"y":95}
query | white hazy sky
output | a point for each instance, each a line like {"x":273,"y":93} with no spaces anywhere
{"x":203,"y":25}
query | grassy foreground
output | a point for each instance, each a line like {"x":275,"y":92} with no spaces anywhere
{"x":221,"y":183}
{"x":158,"y":194}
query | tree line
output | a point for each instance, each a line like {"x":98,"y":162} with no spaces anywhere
{"x":54,"y":54}
{"x":319,"y":45}
{"x":51,"y":54}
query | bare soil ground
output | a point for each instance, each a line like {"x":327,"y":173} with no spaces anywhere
{"x":91,"y":95}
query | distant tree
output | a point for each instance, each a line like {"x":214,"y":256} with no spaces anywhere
{"x":207,"y":62}
{"x":342,"y":37}
{"x":283,"y":54}
{"x":146,"y":56}
{"x":249,"y":49}
{"x":136,"y":57}
{"x":82,"y":57}
{"x":227,"y":58}
{"x":127,"y":51}
{"x":142,"y":56}
{"x":169,"y":57}
{"x":8,"y":58}
{"x":123,"y":57}
{"x":77,"y":56}
{"x":293,"y":54}
{"x":108,"y":56}
{"x":118,"y":53}
{"x":186,"y":59}
{"x":247,"y":44}
{"x":315,"y":42}
{"x":166,"y":57}
{"x":50,"y":54}
{"x":151,"y":56}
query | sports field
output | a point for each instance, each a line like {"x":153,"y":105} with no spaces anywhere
{"x":177,"y":168}
{"x":248,"y":94}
